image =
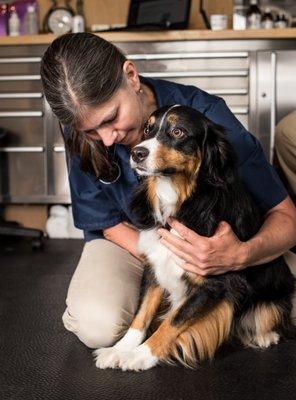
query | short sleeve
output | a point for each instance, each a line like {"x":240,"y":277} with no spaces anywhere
{"x":258,"y":176}
{"x":93,"y":210}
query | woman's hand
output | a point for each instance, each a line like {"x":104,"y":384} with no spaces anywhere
{"x":205,"y":255}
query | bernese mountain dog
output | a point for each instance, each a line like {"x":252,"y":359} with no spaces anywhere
{"x":189,"y":173}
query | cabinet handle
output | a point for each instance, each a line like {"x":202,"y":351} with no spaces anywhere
{"x":173,"y":56}
{"x":59,"y":149}
{"x":227,"y":91}
{"x":7,"y":114}
{"x":239,"y":110}
{"x":273,"y":61}
{"x":21,"y":149}
{"x":182,"y":74}
{"x":20,"y":78}
{"x":12,"y":60}
{"x":20,"y":95}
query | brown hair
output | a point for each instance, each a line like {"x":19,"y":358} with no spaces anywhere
{"x":81,"y":70}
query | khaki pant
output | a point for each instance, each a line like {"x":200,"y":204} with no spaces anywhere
{"x":104,"y":291}
{"x":285,"y":146}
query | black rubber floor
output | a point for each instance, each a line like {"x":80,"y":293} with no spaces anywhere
{"x":39,"y":359}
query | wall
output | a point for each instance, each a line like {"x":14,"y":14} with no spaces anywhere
{"x":116,"y":11}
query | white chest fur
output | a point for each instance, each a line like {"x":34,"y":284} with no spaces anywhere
{"x":167,"y":199}
{"x":165,"y":265}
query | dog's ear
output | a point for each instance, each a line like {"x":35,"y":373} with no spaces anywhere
{"x":217,"y":154}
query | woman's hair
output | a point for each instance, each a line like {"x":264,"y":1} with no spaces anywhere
{"x":81,"y":71}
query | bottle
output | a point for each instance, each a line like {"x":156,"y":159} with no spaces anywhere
{"x":281,"y":21}
{"x":31,"y":21}
{"x":78,"y":24}
{"x":239,"y":15}
{"x":253,"y":15}
{"x":78,"y":21}
{"x":267,"y":21}
{"x":13,"y":23}
{"x":3,"y":19}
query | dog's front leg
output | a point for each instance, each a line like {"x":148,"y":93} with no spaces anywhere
{"x":150,"y":299}
{"x":155,"y":348}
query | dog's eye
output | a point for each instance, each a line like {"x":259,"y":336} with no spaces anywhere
{"x":177,"y":133}
{"x":146,"y":131}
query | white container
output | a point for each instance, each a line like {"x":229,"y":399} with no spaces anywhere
{"x":218,"y":22}
{"x":78,"y":24}
{"x":31,"y":21}
{"x":239,"y":18}
{"x":14,"y":24}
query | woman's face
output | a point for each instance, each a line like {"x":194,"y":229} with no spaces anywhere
{"x":121,"y":119}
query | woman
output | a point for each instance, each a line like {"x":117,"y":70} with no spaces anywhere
{"x":97,"y":94}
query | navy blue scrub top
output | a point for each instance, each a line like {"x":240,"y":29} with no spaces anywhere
{"x":97,"y":206}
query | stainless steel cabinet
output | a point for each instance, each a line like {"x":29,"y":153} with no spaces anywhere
{"x":255,"y":78}
{"x":276,"y":94}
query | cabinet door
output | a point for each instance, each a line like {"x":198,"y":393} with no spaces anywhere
{"x":276,"y":88}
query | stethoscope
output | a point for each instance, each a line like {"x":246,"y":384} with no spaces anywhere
{"x":114,"y":163}
{"x":117,"y":169}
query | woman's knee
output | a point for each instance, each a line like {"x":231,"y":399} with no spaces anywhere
{"x":97,"y":328}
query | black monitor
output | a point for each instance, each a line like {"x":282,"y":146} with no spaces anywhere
{"x":159,"y":14}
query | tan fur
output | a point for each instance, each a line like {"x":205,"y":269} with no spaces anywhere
{"x":151,"y":120}
{"x":167,"y":157}
{"x":151,"y":192}
{"x":202,"y":339}
{"x":164,"y":337}
{"x":148,"y":308}
{"x":184,"y":184}
{"x":257,"y":324}
{"x":192,"y":341}
{"x":173,"y":118}
{"x":194,"y":279}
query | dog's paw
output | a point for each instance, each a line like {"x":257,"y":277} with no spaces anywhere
{"x":267,"y":339}
{"x":107,"y":357}
{"x":137,"y":359}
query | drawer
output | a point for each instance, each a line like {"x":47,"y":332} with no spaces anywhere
{"x":23,"y":131}
{"x":20,"y":104}
{"x":243,"y":118}
{"x":19,"y":65}
{"x":22,"y":174}
{"x":214,"y":85}
{"x":20,"y":85}
{"x":192,"y":64}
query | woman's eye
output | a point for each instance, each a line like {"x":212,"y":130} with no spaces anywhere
{"x":177,"y":133}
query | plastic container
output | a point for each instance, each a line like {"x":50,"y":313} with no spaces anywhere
{"x":13,"y":23}
{"x":267,"y":19}
{"x":239,"y":17}
{"x":218,"y":22}
{"x":31,"y":21}
{"x":3,"y":19}
{"x":78,"y":24}
{"x":253,"y":15}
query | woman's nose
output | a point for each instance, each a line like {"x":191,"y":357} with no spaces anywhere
{"x":108,"y":136}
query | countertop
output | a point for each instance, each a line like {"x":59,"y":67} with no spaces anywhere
{"x":288,"y":33}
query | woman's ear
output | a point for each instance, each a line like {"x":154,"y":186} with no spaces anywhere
{"x":131,"y":75}
{"x":217,"y":154}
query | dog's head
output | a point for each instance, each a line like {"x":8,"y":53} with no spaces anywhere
{"x":179,"y":140}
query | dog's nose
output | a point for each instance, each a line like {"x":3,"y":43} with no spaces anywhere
{"x":139,"y":154}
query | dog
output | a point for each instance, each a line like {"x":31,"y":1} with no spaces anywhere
{"x":189,"y":172}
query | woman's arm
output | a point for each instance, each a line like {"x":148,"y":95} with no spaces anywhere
{"x":125,"y":236}
{"x":225,"y":252}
